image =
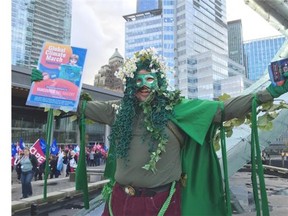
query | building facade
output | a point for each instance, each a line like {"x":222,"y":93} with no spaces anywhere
{"x":33,"y":23}
{"x":259,"y":53}
{"x":147,"y":5}
{"x":235,"y":42}
{"x":181,"y":30}
{"x":153,"y":28}
{"x":106,"y":78}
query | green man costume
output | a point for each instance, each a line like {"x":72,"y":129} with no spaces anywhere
{"x":203,"y":189}
{"x":203,"y":193}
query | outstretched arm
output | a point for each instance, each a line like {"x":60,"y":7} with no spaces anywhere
{"x":238,"y":107}
{"x":101,"y":111}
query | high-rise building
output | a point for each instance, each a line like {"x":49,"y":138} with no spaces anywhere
{"x":153,"y":28}
{"x":192,"y":37}
{"x":235,"y":41}
{"x":146,"y":5}
{"x":259,"y":53}
{"x":33,"y":23}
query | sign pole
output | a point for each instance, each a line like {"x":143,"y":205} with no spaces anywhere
{"x":48,"y":138}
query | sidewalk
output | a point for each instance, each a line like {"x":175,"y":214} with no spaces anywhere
{"x":57,"y":189}
{"x":53,"y":185}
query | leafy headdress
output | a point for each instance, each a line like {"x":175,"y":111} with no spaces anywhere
{"x":156,"y":108}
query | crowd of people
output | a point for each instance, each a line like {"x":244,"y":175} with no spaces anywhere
{"x":28,"y":168}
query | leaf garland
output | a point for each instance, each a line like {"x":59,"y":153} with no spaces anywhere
{"x":269,"y":111}
{"x":157,"y":133}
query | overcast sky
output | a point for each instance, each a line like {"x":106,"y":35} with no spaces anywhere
{"x":99,"y":26}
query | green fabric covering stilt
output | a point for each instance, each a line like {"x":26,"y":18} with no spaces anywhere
{"x":203,"y":193}
{"x":81,"y":171}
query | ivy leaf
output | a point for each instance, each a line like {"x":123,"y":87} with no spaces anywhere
{"x":267,"y":105}
{"x":273,"y":115}
{"x":238,"y":121}
{"x":266,"y":127}
{"x":56,"y":112}
{"x":73,"y":118}
{"x":224,"y":97}
{"x":217,"y":146}
{"x":229,"y":133}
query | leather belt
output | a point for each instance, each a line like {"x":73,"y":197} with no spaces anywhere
{"x":140,"y":191}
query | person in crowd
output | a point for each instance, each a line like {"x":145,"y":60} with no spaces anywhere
{"x":65,"y":163}
{"x":17,"y":164}
{"x":161,"y":158}
{"x":28,"y":166}
{"x":73,"y":162}
{"x":98,"y":157}
{"x":41,"y":170}
{"x":36,"y":172}
{"x":91,"y":158}
{"x":53,"y":166}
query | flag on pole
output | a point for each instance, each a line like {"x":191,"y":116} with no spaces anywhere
{"x":60,"y":161}
{"x":43,"y":145}
{"x":77,"y":150}
{"x":36,"y":150}
{"x":13,"y":149}
{"x":21,"y":144}
{"x":54,"y":148}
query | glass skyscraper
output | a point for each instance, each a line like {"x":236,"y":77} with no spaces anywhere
{"x":192,"y":36}
{"x":235,"y":41}
{"x":259,"y":54}
{"x":200,"y":27}
{"x":153,"y":28}
{"x":146,"y":5}
{"x":33,"y":23}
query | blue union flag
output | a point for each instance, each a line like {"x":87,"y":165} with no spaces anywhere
{"x":54,"y":148}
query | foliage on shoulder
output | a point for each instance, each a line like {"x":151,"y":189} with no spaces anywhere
{"x":267,"y":113}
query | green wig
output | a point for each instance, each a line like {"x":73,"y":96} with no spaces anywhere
{"x":157,"y":108}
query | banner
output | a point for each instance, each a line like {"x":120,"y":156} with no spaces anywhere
{"x":61,"y":66}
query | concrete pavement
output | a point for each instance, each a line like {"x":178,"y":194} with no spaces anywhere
{"x":57,"y":188}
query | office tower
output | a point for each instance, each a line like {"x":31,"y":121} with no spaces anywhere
{"x":201,"y":28}
{"x":260,"y":53}
{"x":33,"y":23}
{"x":146,"y":5}
{"x":153,"y":28}
{"x":235,"y":41}
{"x":181,"y":30}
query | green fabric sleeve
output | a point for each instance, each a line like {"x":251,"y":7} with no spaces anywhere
{"x":101,"y":111}
{"x":238,"y":107}
{"x":196,"y":117}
